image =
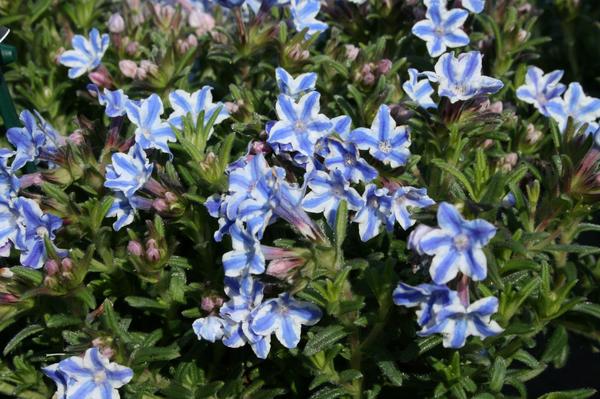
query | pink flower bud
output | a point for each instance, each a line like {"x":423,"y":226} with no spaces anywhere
{"x":369,"y":79}
{"x":6,"y":273}
{"x":160,"y":205}
{"x":6,"y":298}
{"x":134,"y":248}
{"x":132,"y":48}
{"x":533,"y":135}
{"x":192,"y":40}
{"x":101,"y":77}
{"x":170,"y":197}
{"x":207,"y":304}
{"x":384,"y":66}
{"x":182,"y":46}
{"x":141,"y":74}
{"x":149,"y":67}
{"x":76,"y":137}
{"x":281,"y":268}
{"x":351,"y":52}
{"x":31,"y":179}
{"x":51,"y":267}
{"x":260,"y":147}
{"x":128,"y":68}
{"x":116,"y":23}
{"x":153,"y":254}
{"x":202,"y":22}
{"x":151,"y":243}
{"x":67,"y":264}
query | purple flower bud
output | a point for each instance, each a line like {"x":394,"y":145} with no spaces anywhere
{"x":281,"y":268}
{"x":149,"y":67}
{"x":67,"y":264}
{"x":132,"y":48}
{"x":170,"y":197}
{"x":153,"y":254}
{"x":51,"y":267}
{"x":135,"y":248}
{"x":116,"y":23}
{"x":351,"y":52}
{"x":151,"y":243}
{"x":201,"y":21}
{"x":369,"y":79}
{"x":128,"y":68}
{"x":76,"y":137}
{"x":160,"y":205}
{"x":6,"y":298}
{"x":384,"y":66}
{"x":101,"y":77}
{"x":31,"y":179}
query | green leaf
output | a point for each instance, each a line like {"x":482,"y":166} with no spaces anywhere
{"x":145,"y":303}
{"x":574,"y":394}
{"x":462,"y":179}
{"x":155,"y":354}
{"x":328,"y":393}
{"x":112,"y":323}
{"x":341,"y":223}
{"x":324,"y":339}
{"x":388,"y":368}
{"x":558,"y":346}
{"x":573,"y":248}
{"x":497,"y":374}
{"x":35,"y":276}
{"x":20,"y":336}
{"x":591,"y":309}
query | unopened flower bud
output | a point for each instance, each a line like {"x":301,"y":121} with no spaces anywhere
{"x":132,"y":48}
{"x":50,"y":282}
{"x":508,"y":162}
{"x":6,"y":273}
{"x":107,"y":352}
{"x":170,"y":197}
{"x":116,"y":23}
{"x":207,"y":304}
{"x":51,"y":267}
{"x":533,"y":135}
{"x":297,"y":53}
{"x":101,"y":77}
{"x":160,"y":205}
{"x":259,"y":147}
{"x":384,"y":66}
{"x":149,"y":67}
{"x":6,"y":298}
{"x":201,"y":21}
{"x":76,"y":137}
{"x":151,"y":243}
{"x":232,"y":107}
{"x":128,"y":68}
{"x":141,"y":74}
{"x":523,"y":35}
{"x":351,"y":52}
{"x":192,"y":40}
{"x":182,"y":46}
{"x":368,"y":79}
{"x":152,"y":254}
{"x":67,"y":264}
{"x":135,"y":248}
{"x":281,"y":268}
{"x":31,"y":179}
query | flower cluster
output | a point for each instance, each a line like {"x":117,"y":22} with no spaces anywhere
{"x":456,"y":247}
{"x":90,"y":376}
{"x":25,"y":227}
{"x":552,"y":99}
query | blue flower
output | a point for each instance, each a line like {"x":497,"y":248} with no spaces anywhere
{"x":193,"y":104}
{"x":86,"y":54}
{"x":230,"y":3}
{"x":430,"y":298}
{"x":295,"y":87}
{"x":304,"y":16}
{"x":59,"y":378}
{"x":114,"y":101}
{"x":209,"y":328}
{"x":217,"y":208}
{"x":419,"y":91}
{"x":9,"y":182}
{"x":405,"y":198}
{"x":128,"y":172}
{"x":574,"y":104}
{"x":246,"y":256}
{"x":38,"y":225}
{"x":327,"y":192}
{"x":376,"y":210}
{"x":539,"y":89}
{"x":344,"y":157}
{"x":35,"y":138}
{"x":342,"y":126}
{"x":475,"y":6}
{"x":456,"y":322}
{"x":253,"y":180}
{"x":284,"y":316}
{"x":12,"y":224}
{"x":457,"y":245}
{"x":442,"y":28}
{"x":124,"y":209}
{"x":151,"y":131}
{"x":460,"y":79}
{"x":92,"y":376}
{"x":300,"y":124}
{"x":385,"y":141}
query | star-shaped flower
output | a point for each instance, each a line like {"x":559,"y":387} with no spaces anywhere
{"x":246,"y":256}
{"x":442,"y":28}
{"x":456,"y":322}
{"x":193,"y":104}
{"x":457,"y":245}
{"x":574,"y":104}
{"x":35,"y":138}
{"x":419,"y":91}
{"x":430,"y":298}
{"x":92,"y":376}
{"x":376,"y":210}
{"x":285,"y":317}
{"x":295,"y":87}
{"x":384,"y":140}
{"x":300,"y":124}
{"x":344,"y":157}
{"x":86,"y":54}
{"x":460,"y":79}
{"x":151,"y":131}
{"x":304,"y":16}
{"x":539,"y":89}
{"x":406,"y":197}
{"x":128,"y":172}
{"x":114,"y":100}
{"x":328,"y":190}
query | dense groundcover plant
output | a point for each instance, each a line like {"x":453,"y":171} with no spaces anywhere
{"x":307,"y":199}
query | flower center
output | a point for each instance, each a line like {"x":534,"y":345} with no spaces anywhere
{"x":299,"y":127}
{"x":461,"y":242}
{"x":337,"y":190}
{"x":41,"y":231}
{"x":374,"y":202}
{"x":461,"y":88}
{"x":439,"y":31}
{"x":146,"y":133}
{"x":349,"y":160}
{"x":385,"y":146}
{"x":100,"y":377}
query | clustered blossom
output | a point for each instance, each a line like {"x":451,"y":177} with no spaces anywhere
{"x":90,"y":376}
{"x":23,"y":225}
{"x":328,"y":151}
{"x":549,"y":97}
